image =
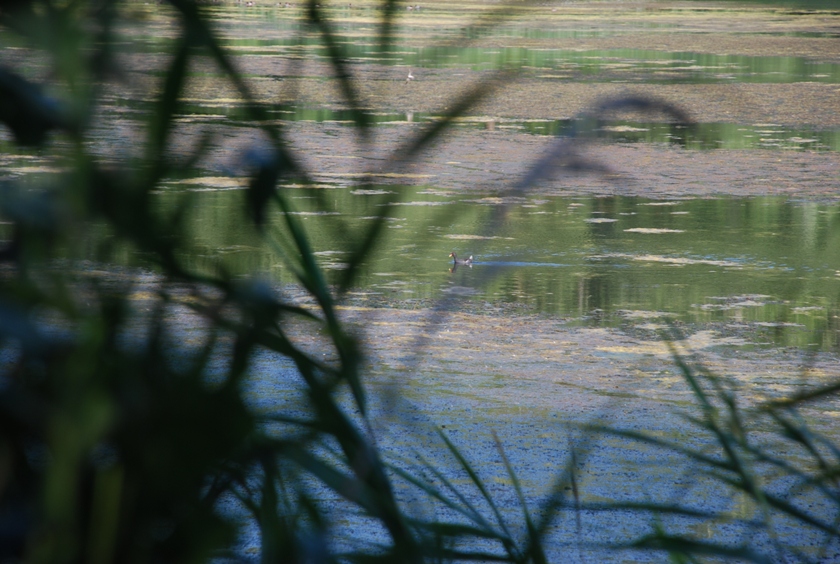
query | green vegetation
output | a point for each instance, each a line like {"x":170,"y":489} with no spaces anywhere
{"x":123,"y":441}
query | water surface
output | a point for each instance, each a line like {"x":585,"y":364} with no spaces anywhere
{"x":763,"y":266}
{"x":766,"y":266}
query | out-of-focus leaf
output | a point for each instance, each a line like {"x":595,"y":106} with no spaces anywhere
{"x":536,"y":553}
{"x":161,"y":119}
{"x":824,"y":391}
{"x":27,"y":111}
{"x":267,"y":170}
{"x":16,"y":324}
{"x":690,"y":547}
{"x":342,"y":72}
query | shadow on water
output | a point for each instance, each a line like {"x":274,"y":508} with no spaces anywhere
{"x":700,"y":136}
{"x":239,"y":319}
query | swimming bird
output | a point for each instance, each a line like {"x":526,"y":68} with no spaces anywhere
{"x":456,"y":260}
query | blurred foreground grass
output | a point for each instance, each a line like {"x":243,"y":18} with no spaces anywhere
{"x":117,"y":441}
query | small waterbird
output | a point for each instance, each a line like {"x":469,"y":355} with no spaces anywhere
{"x":456,"y":260}
{"x":410,"y":76}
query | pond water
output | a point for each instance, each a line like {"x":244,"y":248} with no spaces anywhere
{"x":759,"y":272}
{"x":768,"y":267}
{"x":418,"y":43}
{"x":695,"y":136}
{"x":608,"y":65}
{"x":436,"y":39}
{"x":765,"y":267}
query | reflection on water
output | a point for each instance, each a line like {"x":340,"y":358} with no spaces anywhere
{"x":763,"y":266}
{"x":767,"y":267}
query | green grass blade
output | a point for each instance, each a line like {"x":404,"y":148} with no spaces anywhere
{"x":464,"y":507}
{"x":689,"y":547}
{"x":478,"y":483}
{"x":337,"y":60}
{"x":166,"y":107}
{"x":535,"y":550}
